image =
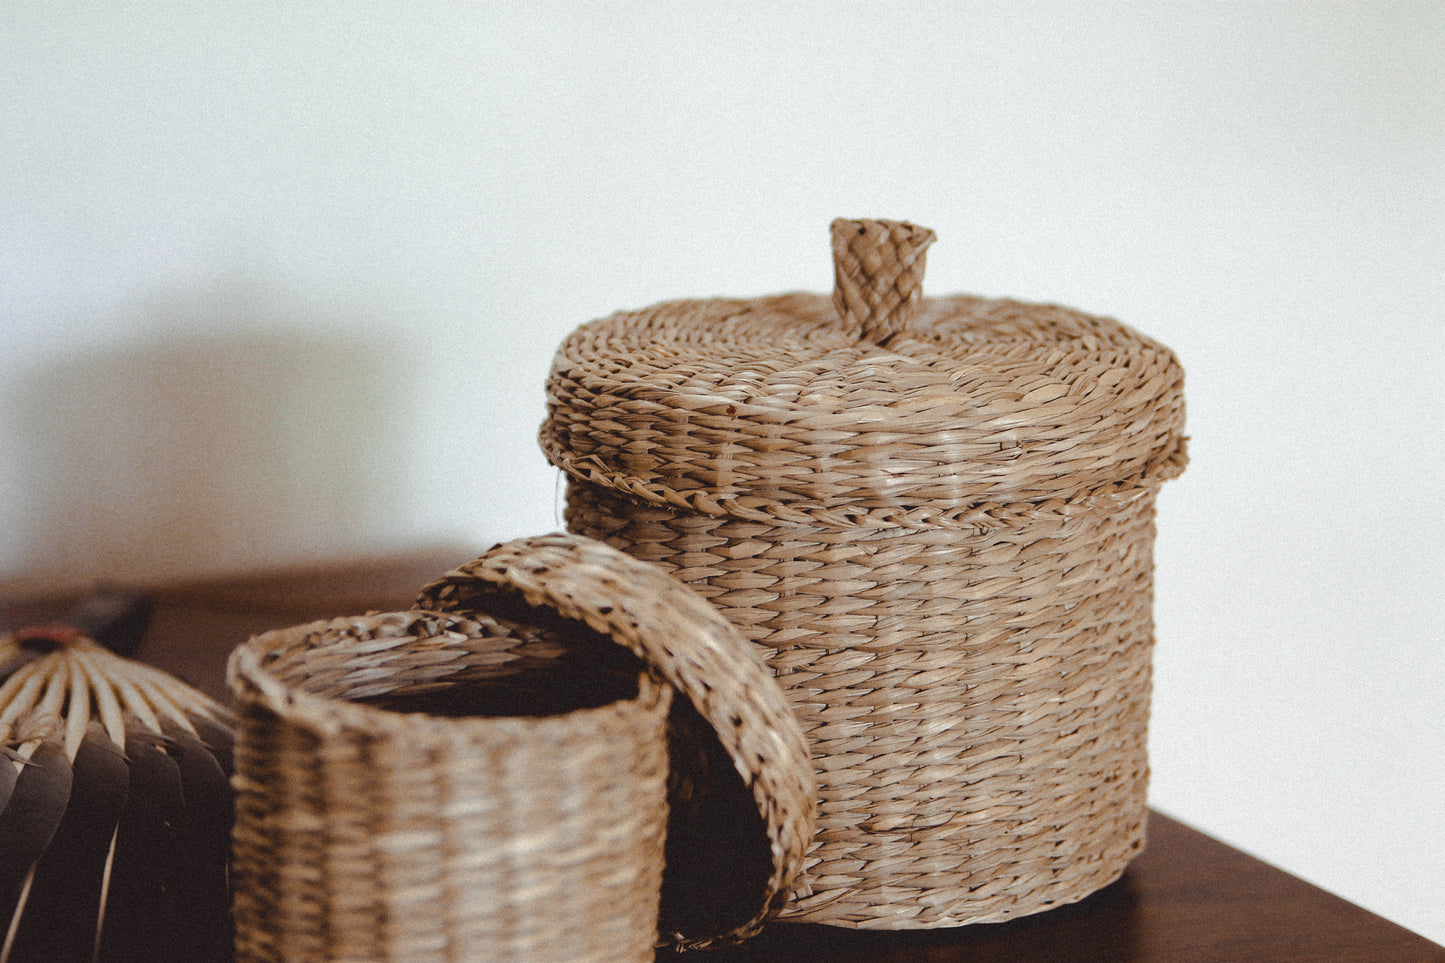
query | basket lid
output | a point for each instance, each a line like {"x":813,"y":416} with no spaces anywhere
{"x":742,"y":795}
{"x":877,"y":400}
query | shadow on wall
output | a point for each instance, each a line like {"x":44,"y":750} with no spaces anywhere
{"x":231,"y":436}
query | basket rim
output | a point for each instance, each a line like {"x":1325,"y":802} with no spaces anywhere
{"x":250,"y":678}
{"x":978,"y":516}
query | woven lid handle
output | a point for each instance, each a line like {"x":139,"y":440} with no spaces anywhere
{"x":878,"y":275}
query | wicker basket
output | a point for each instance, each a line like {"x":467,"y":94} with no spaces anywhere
{"x":935,"y":516}
{"x":491,"y":783}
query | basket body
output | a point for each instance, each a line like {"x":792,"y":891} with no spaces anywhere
{"x":368,"y":833}
{"x":936,"y":520}
{"x":977,"y":703}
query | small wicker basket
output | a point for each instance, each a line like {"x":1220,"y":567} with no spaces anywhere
{"x":935,"y":516}
{"x":492,"y":782}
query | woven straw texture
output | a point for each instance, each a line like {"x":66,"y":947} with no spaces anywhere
{"x":742,"y":792}
{"x":395,"y":803}
{"x":935,"y":517}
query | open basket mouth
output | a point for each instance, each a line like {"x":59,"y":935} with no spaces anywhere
{"x":435,"y":664}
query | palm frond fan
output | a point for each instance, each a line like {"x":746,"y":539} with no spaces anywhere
{"x":115,"y":807}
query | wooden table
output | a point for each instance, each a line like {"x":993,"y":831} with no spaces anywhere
{"x":1188,"y":899}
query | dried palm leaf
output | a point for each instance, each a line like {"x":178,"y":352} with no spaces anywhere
{"x":115,"y":807}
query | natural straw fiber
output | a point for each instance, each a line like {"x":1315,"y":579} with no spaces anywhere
{"x":505,"y":780}
{"x":466,"y":831}
{"x":742,"y":791}
{"x":935,"y":517}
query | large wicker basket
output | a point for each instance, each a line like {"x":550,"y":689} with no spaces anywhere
{"x":935,"y":516}
{"x":492,"y":782}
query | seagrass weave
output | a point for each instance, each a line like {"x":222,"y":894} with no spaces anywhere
{"x":935,"y":516}
{"x":741,"y":791}
{"x":417,"y":786}
{"x":505,"y":780}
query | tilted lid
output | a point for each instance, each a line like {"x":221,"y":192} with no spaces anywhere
{"x":878,"y":401}
{"x":742,"y":795}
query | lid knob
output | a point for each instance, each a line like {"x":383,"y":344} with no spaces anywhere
{"x":878,"y":275}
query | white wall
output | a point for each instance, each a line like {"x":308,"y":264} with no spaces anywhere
{"x":281,"y":282}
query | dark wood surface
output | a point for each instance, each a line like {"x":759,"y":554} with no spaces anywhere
{"x":1188,"y":899}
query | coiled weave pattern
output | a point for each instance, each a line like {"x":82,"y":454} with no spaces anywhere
{"x":939,"y":530}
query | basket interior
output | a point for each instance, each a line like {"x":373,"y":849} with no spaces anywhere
{"x":718,"y":853}
{"x":487,"y":668}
